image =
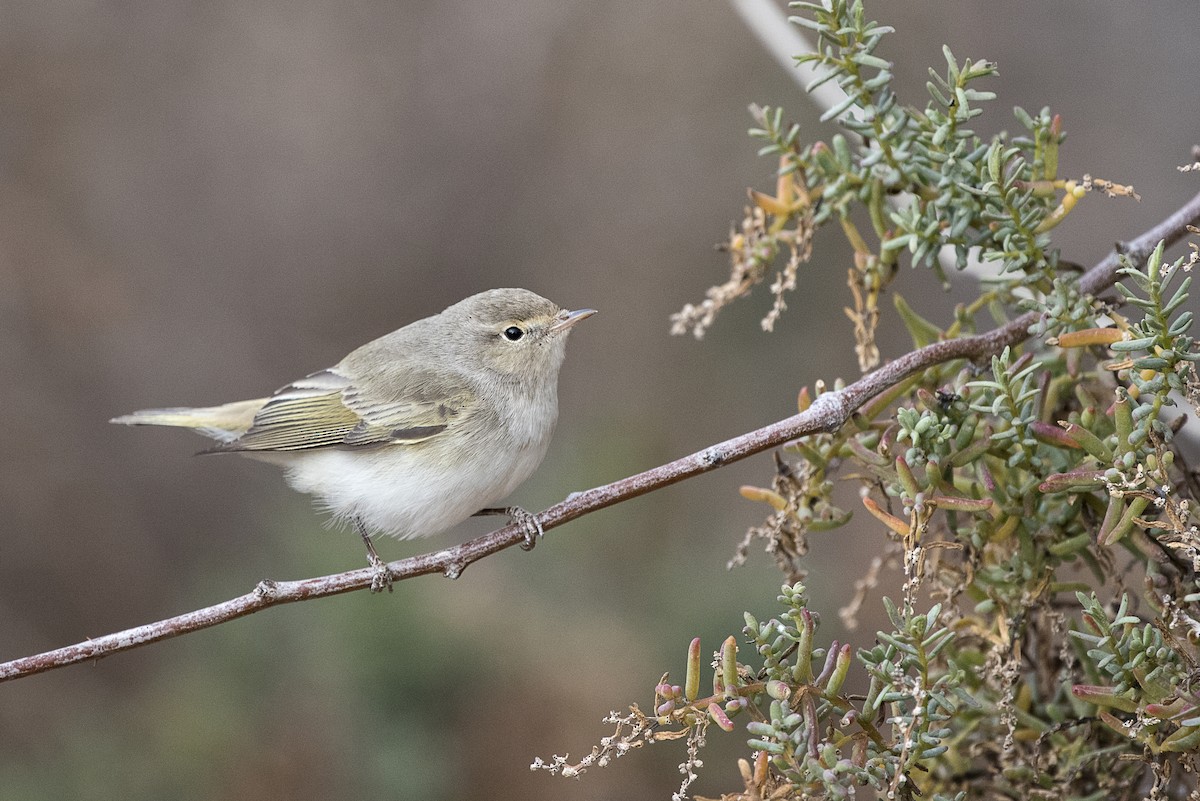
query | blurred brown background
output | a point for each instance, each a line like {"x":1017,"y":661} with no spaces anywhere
{"x":202,"y":201}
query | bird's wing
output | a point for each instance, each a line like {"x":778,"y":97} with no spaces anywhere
{"x":326,"y":410}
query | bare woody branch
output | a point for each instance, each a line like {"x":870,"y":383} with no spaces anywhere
{"x":829,"y":412}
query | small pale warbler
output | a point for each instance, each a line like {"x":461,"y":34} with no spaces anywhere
{"x":417,"y":430}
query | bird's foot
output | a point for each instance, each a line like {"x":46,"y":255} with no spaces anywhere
{"x":530,"y":525}
{"x":382,"y":579}
{"x":528,"y":521}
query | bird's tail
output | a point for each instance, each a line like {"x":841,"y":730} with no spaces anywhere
{"x":222,"y":423}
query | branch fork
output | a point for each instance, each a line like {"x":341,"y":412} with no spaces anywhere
{"x":828,"y":412}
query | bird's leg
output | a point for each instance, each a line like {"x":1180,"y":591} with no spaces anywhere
{"x":383,"y":576}
{"x":528,"y":521}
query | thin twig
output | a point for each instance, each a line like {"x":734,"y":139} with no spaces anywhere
{"x":784,"y":41}
{"x":829,"y":412}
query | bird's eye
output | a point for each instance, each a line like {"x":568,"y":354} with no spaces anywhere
{"x":512,"y":333}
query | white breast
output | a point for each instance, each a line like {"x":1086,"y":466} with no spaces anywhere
{"x":404,"y":491}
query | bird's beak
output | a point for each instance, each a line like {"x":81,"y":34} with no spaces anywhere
{"x":566,"y":319}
